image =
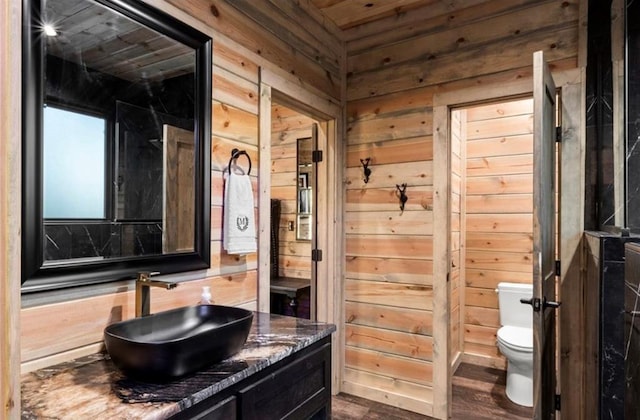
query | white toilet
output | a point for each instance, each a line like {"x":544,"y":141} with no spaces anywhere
{"x":515,"y":340}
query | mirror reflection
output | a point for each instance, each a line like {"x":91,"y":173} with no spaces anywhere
{"x":304,"y":190}
{"x":116,"y":143}
{"x":118,"y":110}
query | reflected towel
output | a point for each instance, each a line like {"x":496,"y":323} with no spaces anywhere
{"x":239,"y":225}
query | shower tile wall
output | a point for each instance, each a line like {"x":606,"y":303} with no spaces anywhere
{"x":633,"y":115}
{"x":606,"y":289}
{"x":599,"y":199}
{"x":95,"y":240}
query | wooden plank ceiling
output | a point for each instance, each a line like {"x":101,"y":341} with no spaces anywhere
{"x":122,"y":54}
{"x":347,"y":14}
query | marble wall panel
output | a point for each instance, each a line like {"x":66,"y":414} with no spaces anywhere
{"x":609,"y":263}
{"x":64,"y":241}
{"x":632,"y":332}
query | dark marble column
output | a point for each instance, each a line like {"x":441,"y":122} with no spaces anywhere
{"x":632,"y":332}
{"x":611,"y":328}
{"x":610,"y":267}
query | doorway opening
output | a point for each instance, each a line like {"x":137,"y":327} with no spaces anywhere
{"x":491,"y":220}
{"x":549,"y":275}
{"x":294,"y":195}
{"x":491,"y":154}
{"x":312,"y":201}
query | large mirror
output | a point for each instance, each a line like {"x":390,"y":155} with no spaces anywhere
{"x":116,"y":143}
{"x":305,"y":187}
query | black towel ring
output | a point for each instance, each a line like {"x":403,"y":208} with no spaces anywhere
{"x":235,"y":154}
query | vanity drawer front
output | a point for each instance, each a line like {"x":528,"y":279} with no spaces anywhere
{"x":295,"y":391}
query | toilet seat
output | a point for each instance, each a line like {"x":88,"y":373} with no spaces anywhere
{"x":516,"y":338}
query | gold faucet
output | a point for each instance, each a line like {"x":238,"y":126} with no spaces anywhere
{"x":143,"y":295}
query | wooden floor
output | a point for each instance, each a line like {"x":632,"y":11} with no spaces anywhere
{"x":478,"y":393}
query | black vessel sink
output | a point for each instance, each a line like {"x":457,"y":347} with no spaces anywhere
{"x":169,"y":344}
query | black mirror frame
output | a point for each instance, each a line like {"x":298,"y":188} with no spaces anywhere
{"x":35,"y":276}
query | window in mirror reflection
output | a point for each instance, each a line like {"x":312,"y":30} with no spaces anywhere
{"x":74,"y":165}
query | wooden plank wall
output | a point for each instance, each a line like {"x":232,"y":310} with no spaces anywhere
{"x":499,"y":219}
{"x":395,"y":66}
{"x":289,"y":39}
{"x":458,"y":232}
{"x":388,"y":285}
{"x":287,"y":126}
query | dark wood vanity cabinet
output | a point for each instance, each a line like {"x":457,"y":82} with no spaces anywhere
{"x":211,"y":409}
{"x":297,"y":387}
{"x":296,"y":390}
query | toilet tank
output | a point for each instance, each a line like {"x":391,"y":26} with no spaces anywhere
{"x":512,"y":312}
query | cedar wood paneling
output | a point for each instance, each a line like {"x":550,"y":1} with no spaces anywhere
{"x":392,"y":77}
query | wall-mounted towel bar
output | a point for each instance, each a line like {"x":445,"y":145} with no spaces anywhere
{"x":235,"y":154}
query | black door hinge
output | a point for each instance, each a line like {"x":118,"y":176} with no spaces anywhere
{"x":316,"y":156}
{"x":316,"y":255}
{"x":558,"y":268}
{"x":557,"y":401}
{"x":559,"y":134}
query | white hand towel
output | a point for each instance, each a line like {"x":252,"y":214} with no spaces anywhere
{"x":239,"y":225}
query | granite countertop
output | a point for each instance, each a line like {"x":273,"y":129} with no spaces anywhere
{"x":92,"y":387}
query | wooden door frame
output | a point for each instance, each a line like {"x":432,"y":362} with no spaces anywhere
{"x":329,"y":212}
{"x":10,"y":219}
{"x":572,"y":322}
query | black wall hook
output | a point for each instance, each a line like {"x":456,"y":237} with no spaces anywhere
{"x":365,"y":167}
{"x":403,"y":197}
{"x":235,"y":153}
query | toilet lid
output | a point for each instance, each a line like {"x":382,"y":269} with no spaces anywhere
{"x":517,"y":337}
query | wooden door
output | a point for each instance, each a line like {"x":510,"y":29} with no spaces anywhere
{"x":178,"y":214}
{"x":544,"y":240}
